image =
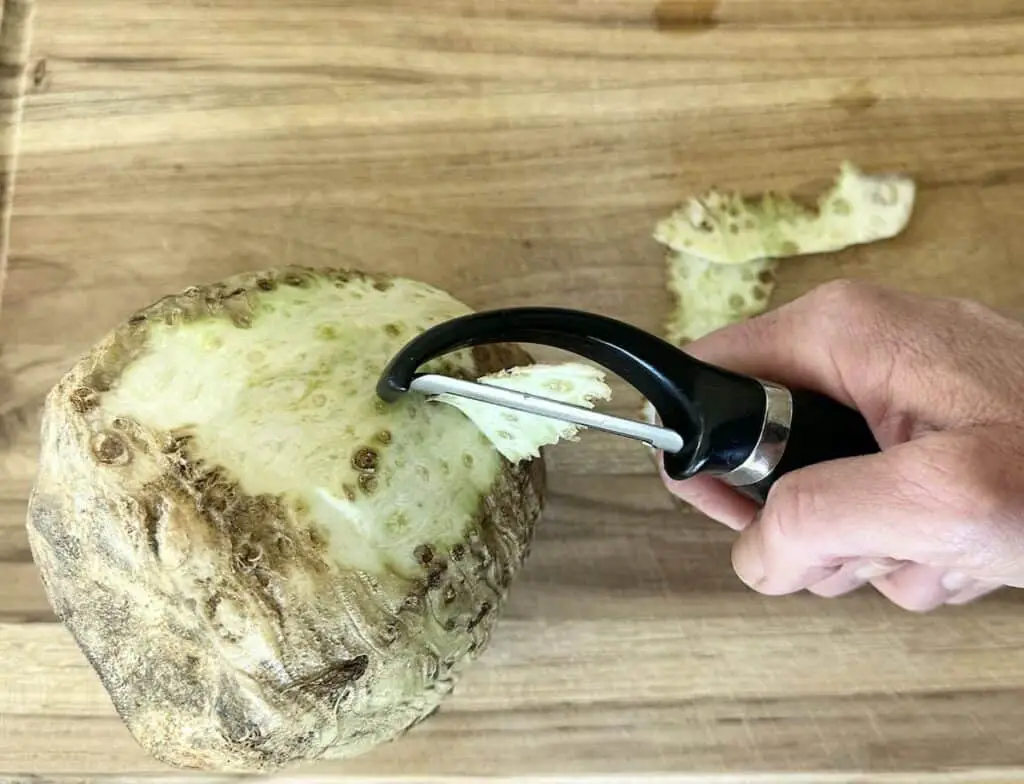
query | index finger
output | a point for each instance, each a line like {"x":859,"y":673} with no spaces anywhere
{"x":836,"y":340}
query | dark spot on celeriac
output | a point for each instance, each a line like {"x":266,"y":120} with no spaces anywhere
{"x":285,"y":546}
{"x":410,"y":602}
{"x":485,"y":608}
{"x":435,"y":577}
{"x":389,"y":633}
{"x":110,"y":449}
{"x":365,"y":459}
{"x":368,"y":483}
{"x":153,"y":511}
{"x":175,"y":442}
{"x":212,"y":603}
{"x":82,"y":399}
{"x":317,"y":539}
{"x":249,"y":554}
{"x":99,"y":381}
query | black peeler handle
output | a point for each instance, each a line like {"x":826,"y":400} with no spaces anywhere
{"x":747,"y":432}
{"x":819,"y":430}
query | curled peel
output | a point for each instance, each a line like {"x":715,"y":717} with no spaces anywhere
{"x":725,"y":248}
{"x":518,"y":435}
{"x":729,"y":228}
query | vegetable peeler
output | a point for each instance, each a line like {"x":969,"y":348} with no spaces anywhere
{"x":744,"y":431}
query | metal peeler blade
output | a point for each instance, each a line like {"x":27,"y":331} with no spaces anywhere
{"x":657,"y":437}
{"x":744,"y":431}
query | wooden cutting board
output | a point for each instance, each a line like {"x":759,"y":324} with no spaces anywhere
{"x":519,"y":152}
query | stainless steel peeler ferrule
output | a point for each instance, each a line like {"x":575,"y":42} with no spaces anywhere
{"x":745,"y":431}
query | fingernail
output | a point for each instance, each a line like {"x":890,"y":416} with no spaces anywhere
{"x":743,"y":525}
{"x":954,"y":582}
{"x":975,"y":590}
{"x":747,"y":561}
{"x":874,"y":569}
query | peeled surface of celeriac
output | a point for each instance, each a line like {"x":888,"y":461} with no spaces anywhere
{"x":262,"y":561}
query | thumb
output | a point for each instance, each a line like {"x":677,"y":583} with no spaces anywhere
{"x":891,"y":505}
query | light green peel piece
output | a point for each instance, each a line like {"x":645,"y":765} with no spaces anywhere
{"x":729,"y":228}
{"x":518,"y":435}
{"x":725,"y":248}
{"x":710,"y":296}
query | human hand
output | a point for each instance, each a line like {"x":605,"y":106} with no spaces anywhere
{"x":938,"y":516}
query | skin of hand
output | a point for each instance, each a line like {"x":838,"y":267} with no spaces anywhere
{"x":935,"y":518}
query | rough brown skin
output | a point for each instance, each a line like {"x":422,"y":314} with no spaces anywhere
{"x":150,"y":559}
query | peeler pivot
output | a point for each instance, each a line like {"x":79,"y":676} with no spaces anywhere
{"x":746,"y":432}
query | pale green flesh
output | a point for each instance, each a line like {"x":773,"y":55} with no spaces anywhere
{"x":519,"y":435}
{"x":284,"y":405}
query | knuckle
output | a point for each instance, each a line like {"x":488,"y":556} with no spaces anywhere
{"x":857,"y":320}
{"x":971,"y":310}
{"x":970,"y":483}
{"x":980,"y":490}
{"x":845,"y":295}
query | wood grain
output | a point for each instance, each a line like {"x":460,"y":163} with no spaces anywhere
{"x":520,"y":152}
{"x":15,"y":39}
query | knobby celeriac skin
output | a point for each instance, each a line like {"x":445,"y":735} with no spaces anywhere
{"x":262,"y":561}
